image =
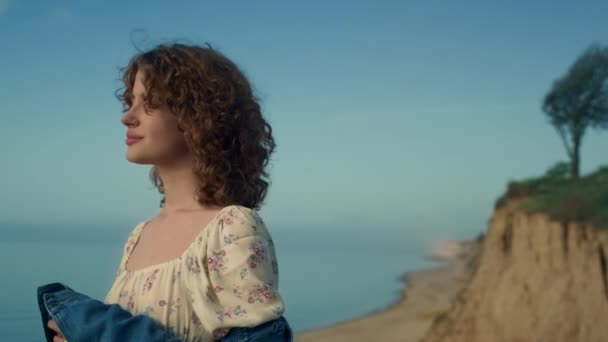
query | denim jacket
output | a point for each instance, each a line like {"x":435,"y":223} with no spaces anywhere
{"x":81,"y":318}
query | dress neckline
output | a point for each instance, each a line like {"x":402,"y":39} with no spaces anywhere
{"x":170,"y":261}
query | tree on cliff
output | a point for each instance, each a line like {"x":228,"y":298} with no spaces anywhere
{"x":579,"y":100}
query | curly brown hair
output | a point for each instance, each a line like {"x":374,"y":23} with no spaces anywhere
{"x":217,"y":112}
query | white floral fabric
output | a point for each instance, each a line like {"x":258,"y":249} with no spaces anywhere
{"x":227,"y":277}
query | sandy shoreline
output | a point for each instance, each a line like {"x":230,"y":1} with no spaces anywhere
{"x":428,"y":293}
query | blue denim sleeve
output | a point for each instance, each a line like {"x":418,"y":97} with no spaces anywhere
{"x":81,"y":318}
{"x":277,"y":330}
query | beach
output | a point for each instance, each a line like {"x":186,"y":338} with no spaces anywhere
{"x":426,"y":295}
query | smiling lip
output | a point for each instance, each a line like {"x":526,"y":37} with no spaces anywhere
{"x":131,"y":141}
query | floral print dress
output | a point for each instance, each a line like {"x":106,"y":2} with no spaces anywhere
{"x":227,"y":277}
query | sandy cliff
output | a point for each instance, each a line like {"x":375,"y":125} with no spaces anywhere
{"x":536,"y":280}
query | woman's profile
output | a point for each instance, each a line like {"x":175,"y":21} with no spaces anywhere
{"x":206,"y":263}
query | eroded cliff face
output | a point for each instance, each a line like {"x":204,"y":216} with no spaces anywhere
{"x":536,"y":280}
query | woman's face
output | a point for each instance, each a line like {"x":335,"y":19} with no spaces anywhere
{"x":158,"y":140}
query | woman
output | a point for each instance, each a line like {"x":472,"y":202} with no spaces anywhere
{"x":206,"y":263}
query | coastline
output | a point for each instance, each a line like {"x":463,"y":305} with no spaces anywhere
{"x":426,"y":294}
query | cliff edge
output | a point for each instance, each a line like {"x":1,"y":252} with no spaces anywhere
{"x":535,"y":279}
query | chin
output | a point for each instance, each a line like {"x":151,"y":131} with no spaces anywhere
{"x":135,"y":159}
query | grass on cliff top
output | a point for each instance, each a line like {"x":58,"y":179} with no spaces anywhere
{"x":564,"y":199}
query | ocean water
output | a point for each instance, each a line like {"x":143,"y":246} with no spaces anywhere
{"x":326,"y":275}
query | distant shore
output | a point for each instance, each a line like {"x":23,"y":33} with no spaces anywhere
{"x":427,"y":294}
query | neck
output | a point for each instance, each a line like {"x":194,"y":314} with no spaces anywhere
{"x":180,"y":184}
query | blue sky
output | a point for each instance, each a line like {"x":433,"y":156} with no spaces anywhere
{"x":405,"y":115}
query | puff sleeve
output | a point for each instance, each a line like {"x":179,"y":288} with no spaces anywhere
{"x":237,"y":285}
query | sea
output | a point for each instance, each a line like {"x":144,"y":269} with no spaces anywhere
{"x":327,"y":275}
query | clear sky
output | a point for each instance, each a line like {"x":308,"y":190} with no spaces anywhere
{"x":408,"y":115}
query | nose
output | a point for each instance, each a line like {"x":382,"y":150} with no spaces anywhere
{"x":128,"y":119}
